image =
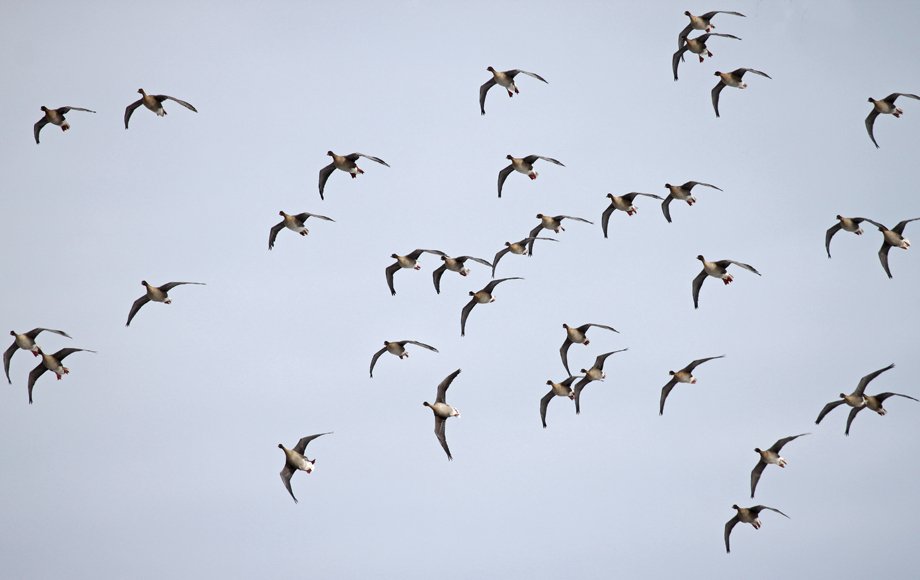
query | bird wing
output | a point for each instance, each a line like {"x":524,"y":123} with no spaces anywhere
{"x":899,"y":229}
{"x":830,"y":234}
{"x":374,"y":360}
{"x":36,"y":331}
{"x":354,"y":157}
{"x":665,"y":207}
{"x":65,"y":352}
{"x":568,"y":217}
{"x":188,"y":106}
{"x":415,"y":254}
{"x":861,"y":387}
{"x":464,"y":314}
{"x":870,"y":123}
{"x":697,"y":284}
{"x":564,"y":353}
{"x":274,"y":234}
{"x":33,"y":376}
{"x":883,"y":257}
{"x":853,"y":412}
{"x":709,"y":15}
{"x":578,"y":388}
{"x":442,"y":387}
{"x":436,"y":275}
{"x":882,"y":396}
{"x":683,"y":34}
{"x":665,"y":391}
{"x":532,"y":158}
{"x":599,"y":361}
{"x":827,"y":409}
{"x":515,"y":72}
{"x":747,"y":267}
{"x":390,"y":270}
{"x":532,"y":237}
{"x":755,"y":475}
{"x":498,"y":256}
{"x":439,"y":430}
{"x":303,"y":217}
{"x":584,"y":327}
{"x":137,"y":306}
{"x":759,"y":508}
{"x":480,"y":260}
{"x":690,"y":184}
{"x":502,"y":176}
{"x":491,"y":285}
{"x":421,"y":344}
{"x":301,"y":446}
{"x":482,"y":94}
{"x":740,"y":72}
{"x":324,"y":174}
{"x":893,"y":96}
{"x":543,"y":404}
{"x":65,"y":110}
{"x":689,"y":368}
{"x":716,"y":90}
{"x":286,"y":474}
{"x":703,"y":38}
{"x":605,"y":217}
{"x":728,"y":531}
{"x":170,"y":285}
{"x":38,"y":127}
{"x":676,"y":58}
{"x":779,"y":444}
{"x":129,"y":110}
{"x":632,"y":195}
{"x":6,"y":360}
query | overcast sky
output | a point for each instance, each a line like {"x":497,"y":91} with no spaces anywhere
{"x":157,"y":457}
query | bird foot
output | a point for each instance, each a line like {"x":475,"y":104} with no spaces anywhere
{"x":464,"y":273}
{"x":510,"y":94}
{"x":572,"y":397}
{"x":167,"y":301}
{"x":587,"y":342}
{"x":532,"y":176}
{"x":630,"y":212}
{"x":701,"y":57}
{"x":418,"y":267}
{"x":303,"y":233}
{"x":65,"y":127}
{"x":727,"y":280}
{"x":491,"y":301}
{"x":34,"y":353}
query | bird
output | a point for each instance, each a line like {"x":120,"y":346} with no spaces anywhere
{"x":550,"y":223}
{"x":515,"y":248}
{"x":25,"y":341}
{"x":771,"y":455}
{"x":873,"y":403}
{"x":523,"y":165}
{"x":595,"y":373}
{"x":855,"y":399}
{"x":885,"y":106}
{"x":295,"y":223}
{"x":701,"y":22}
{"x":345,"y":163}
{"x":442,"y":411}
{"x":716,"y":270}
{"x":504,"y":79}
{"x":696,"y":46}
{"x":455,"y":265}
{"x":157,"y":294}
{"x":732,"y":79}
{"x":563,"y":389}
{"x":295,"y":459}
{"x":55,"y":117}
{"x":682,"y":193}
{"x":484,"y":296}
{"x":746,"y":516}
{"x":577,"y":335}
{"x":892,"y":238}
{"x":398,"y":349}
{"x":154,"y":103}
{"x":52,"y":362}
{"x":409,"y":261}
{"x":622,"y":203}
{"x":682,"y":376}
{"x":847,"y":225}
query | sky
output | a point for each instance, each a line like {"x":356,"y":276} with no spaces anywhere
{"x":159,"y":453}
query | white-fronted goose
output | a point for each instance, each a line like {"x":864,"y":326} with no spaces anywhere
{"x":409,"y":261}
{"x":455,"y":265}
{"x":716,"y":270}
{"x":154,"y":103}
{"x":295,"y":223}
{"x":732,"y":79}
{"x":701,"y":22}
{"x":622,"y":203}
{"x":563,"y":389}
{"x":52,"y":362}
{"x":771,"y":455}
{"x":484,"y":296}
{"x":515,"y":248}
{"x":25,"y":341}
{"x":344,"y":163}
{"x":442,"y":411}
{"x":577,"y":335}
{"x":892,"y":238}
{"x":855,"y":400}
{"x":55,"y":117}
{"x":157,"y":294}
{"x":523,"y":165}
{"x":847,"y":225}
{"x":696,"y":46}
{"x":398,"y":349}
{"x":681,"y":193}
{"x":682,"y":376}
{"x":294,"y":459}
{"x":550,"y":223}
{"x":886,"y":107}
{"x":504,"y":79}
{"x":595,"y":373}
{"x":746,"y":516}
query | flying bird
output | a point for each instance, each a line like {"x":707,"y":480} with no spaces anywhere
{"x":484,"y":296}
{"x":885,"y":107}
{"x":523,"y":165}
{"x":855,"y":400}
{"x":294,"y":459}
{"x":746,"y":516}
{"x":398,"y":349}
{"x":771,"y":455}
{"x":455,"y":265}
{"x":154,"y":103}
{"x":515,"y":248}
{"x":577,"y":335}
{"x":716,"y":270}
{"x":295,"y":223}
{"x":409,"y":262}
{"x":157,"y":294}
{"x":682,"y":376}
{"x":847,"y":225}
{"x":25,"y":341}
{"x":505,"y":80}
{"x":696,"y":46}
{"x":595,"y":373}
{"x":732,"y":79}
{"x":52,"y":362}
{"x":442,"y":411}
{"x":681,"y":193}
{"x":622,"y":203}
{"x":55,"y":117}
{"x":701,"y":22}
{"x":344,"y":163}
{"x":892,"y":238}
{"x":550,"y":223}
{"x":563,"y":389}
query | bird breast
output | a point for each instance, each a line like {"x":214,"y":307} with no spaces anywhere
{"x":405,"y":262}
{"x":396,"y":348}
{"x":444,"y":410}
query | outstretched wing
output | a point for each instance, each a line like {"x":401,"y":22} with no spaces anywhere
{"x":303,"y":217}
{"x":697,"y":284}
{"x":374,"y":360}
{"x":6,"y":360}
{"x":502,"y":176}
{"x":436,"y":275}
{"x":33,"y":376}
{"x":129,"y":110}
{"x":38,"y":127}
{"x":665,"y":391}
{"x":491,"y":285}
{"x":354,"y":157}
{"x":716,"y":91}
{"x":830,"y":234}
{"x":482,"y":94}
{"x":605,"y":217}
{"x":324,"y":174}
{"x":170,"y":285}
{"x":301,"y":446}
{"x":188,"y":106}
{"x":739,"y":72}
{"x":676,"y":58}
{"x":779,"y":444}
{"x":464,"y":314}
{"x":421,"y":344}
{"x":691,"y":184}
{"x":480,"y":260}
{"x":689,"y":368}
{"x":893,"y":96}
{"x":36,"y":331}
{"x":568,"y":217}
{"x":882,"y":396}
{"x":515,"y":72}
{"x":274,"y":234}
{"x":899,"y":229}
{"x":579,"y":386}
{"x":439,"y":430}
{"x":584,"y":327}
{"x":747,"y":267}
{"x":861,"y":387}
{"x":599,"y":361}
{"x":853,"y":412}
{"x":728,"y":531}
{"x":498,"y":256}
{"x":827,"y":409}
{"x":532,"y":158}
{"x":442,"y":387}
{"x":666,"y":207}
{"x":137,"y":306}
{"x":543,"y":404}
{"x":286,"y":474}
{"x":390,"y":271}
{"x":709,"y":15}
{"x":755,"y":475}
{"x":564,"y":353}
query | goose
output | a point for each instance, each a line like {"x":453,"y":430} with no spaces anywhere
{"x":696,"y":46}
{"x":344,"y":163}
{"x":504,"y":79}
{"x":681,"y":193}
{"x":701,"y":22}
{"x":771,"y":455}
{"x":515,"y":248}
{"x":157,"y":294}
{"x":885,"y":107}
{"x":622,"y":203}
{"x":455,"y":265}
{"x":563,"y":389}
{"x":25,"y":341}
{"x":855,"y":400}
{"x":550,"y":223}
{"x":595,"y":373}
{"x":409,"y":261}
{"x":847,"y":225}
{"x":873,"y":403}
{"x":52,"y":362}
{"x":746,"y":516}
{"x":294,"y":459}
{"x":577,"y":335}
{"x":397,"y":348}
{"x":523,"y":165}
{"x":55,"y":117}
{"x":732,"y":79}
{"x":154,"y":103}
{"x":892,"y":238}
{"x":442,"y":411}
{"x":295,"y":223}
{"x":484,"y":296}
{"x":716,"y":270}
{"x":682,"y":376}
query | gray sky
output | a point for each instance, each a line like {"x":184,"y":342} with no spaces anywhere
{"x":158,"y":454}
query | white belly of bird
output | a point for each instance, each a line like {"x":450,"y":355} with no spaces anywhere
{"x":517,"y":249}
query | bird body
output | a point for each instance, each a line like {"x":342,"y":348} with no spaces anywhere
{"x":718,"y":269}
{"x":442,"y":411}
{"x":746,"y":516}
{"x":154,"y":103}
{"x":504,"y":79}
{"x":885,"y":106}
{"x":295,"y":460}
{"x":55,"y":117}
{"x":344,"y":163}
